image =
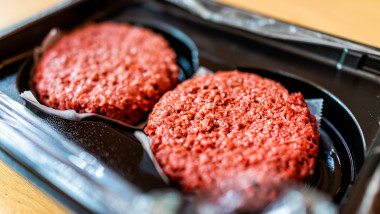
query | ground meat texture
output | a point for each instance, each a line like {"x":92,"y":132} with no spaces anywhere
{"x":112,"y":69}
{"x":214,"y":128}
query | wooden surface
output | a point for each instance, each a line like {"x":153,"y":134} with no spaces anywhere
{"x":18,"y":195}
{"x":14,"y":11}
{"x":354,"y":20}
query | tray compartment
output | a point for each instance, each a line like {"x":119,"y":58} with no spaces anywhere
{"x":350,"y":102}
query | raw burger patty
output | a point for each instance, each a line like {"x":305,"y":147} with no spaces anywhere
{"x":111,"y":69}
{"x":212,"y":128}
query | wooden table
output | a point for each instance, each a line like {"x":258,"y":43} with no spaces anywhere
{"x":354,"y":20}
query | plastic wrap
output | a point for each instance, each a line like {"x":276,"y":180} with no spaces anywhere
{"x":265,"y":26}
{"x":71,"y":169}
{"x":91,"y":183}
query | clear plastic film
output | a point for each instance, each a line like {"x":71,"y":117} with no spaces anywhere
{"x":265,"y":26}
{"x":300,"y":201}
{"x":71,"y":169}
{"x":233,"y":194}
{"x":92,"y":184}
{"x":270,"y":198}
{"x":237,"y":193}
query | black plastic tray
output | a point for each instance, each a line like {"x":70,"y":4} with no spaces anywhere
{"x":351,"y":111}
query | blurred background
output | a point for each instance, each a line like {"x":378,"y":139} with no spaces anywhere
{"x":353,"y":20}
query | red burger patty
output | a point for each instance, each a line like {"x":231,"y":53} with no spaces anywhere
{"x":112,"y":69}
{"x":211,"y":128}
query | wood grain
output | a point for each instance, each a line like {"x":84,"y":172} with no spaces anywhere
{"x":15,"y":11}
{"x":354,"y":20}
{"x":18,"y":195}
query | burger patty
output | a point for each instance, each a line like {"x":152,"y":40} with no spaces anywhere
{"x":213,"y":128}
{"x":112,"y":69}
